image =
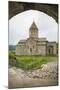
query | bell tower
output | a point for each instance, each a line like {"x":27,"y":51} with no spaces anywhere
{"x":33,"y":31}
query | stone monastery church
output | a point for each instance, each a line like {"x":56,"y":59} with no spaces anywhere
{"x":35,"y":45}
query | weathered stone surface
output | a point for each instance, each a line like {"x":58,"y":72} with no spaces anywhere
{"x":35,"y":45}
{"x":18,"y":7}
{"x":48,"y":75}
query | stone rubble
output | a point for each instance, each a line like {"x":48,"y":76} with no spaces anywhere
{"x":49,"y":71}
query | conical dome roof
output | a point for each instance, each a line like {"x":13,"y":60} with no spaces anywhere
{"x":33,"y":26}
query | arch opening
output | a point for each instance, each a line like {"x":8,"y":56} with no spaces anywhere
{"x":19,"y":25}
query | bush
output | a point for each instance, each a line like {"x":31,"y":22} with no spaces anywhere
{"x":29,"y":62}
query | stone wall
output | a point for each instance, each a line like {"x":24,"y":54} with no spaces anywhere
{"x":54,"y":45}
{"x":20,"y":50}
{"x":41,"y":50}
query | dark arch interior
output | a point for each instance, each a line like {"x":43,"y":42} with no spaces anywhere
{"x":18,"y":7}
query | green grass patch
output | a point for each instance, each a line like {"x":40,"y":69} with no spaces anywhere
{"x":29,"y":62}
{"x":33,"y":62}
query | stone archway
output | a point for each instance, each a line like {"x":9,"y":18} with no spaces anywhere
{"x":50,"y":50}
{"x":18,"y":7}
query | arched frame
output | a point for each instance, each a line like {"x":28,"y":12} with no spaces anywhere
{"x":18,"y":7}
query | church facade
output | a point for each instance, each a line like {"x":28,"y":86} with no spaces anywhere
{"x":35,"y":45}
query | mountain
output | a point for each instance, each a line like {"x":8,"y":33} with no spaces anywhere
{"x":12,"y":47}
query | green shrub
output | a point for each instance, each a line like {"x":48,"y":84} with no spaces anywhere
{"x":29,"y":62}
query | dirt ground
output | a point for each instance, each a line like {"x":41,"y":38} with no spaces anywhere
{"x":47,"y":76}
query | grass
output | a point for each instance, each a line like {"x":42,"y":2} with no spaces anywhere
{"x":29,"y":62}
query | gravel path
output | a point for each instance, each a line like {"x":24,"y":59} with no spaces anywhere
{"x":46,"y":76}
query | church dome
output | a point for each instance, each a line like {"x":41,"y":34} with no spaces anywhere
{"x":33,"y":26}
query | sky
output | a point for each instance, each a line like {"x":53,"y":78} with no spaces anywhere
{"x":19,"y":26}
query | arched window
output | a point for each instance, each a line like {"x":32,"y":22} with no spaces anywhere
{"x":31,"y":50}
{"x":33,"y":46}
{"x":50,"y":50}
